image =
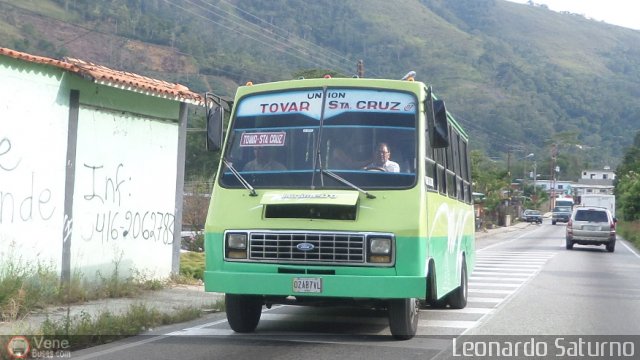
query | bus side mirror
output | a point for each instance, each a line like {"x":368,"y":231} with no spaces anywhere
{"x":214,"y":128}
{"x":441,"y":125}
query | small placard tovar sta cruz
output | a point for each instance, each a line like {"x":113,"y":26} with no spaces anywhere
{"x":263,"y":139}
{"x":332,"y":189}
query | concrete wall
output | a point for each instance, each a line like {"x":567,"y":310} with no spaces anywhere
{"x":87,"y":180}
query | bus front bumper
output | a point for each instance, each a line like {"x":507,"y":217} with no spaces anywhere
{"x":351,"y":286}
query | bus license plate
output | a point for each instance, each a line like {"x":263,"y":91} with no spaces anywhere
{"x":307,"y":285}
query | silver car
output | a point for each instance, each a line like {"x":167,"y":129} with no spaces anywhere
{"x":590,"y":225}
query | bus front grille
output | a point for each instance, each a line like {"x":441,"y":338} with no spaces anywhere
{"x":305,"y":247}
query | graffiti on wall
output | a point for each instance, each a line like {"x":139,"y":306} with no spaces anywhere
{"x":22,"y":201}
{"x":117,"y":216}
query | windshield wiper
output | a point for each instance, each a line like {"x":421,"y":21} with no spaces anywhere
{"x":344,"y":181}
{"x":317,"y":157}
{"x":243,"y":181}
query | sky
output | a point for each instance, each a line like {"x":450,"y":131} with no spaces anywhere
{"x":624,"y":13}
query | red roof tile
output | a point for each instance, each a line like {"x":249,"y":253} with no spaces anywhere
{"x":122,"y":79}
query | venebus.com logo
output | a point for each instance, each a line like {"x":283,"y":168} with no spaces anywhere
{"x":39,"y":347}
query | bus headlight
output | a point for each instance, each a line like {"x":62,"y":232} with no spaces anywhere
{"x":236,"y":245}
{"x":380,"y":246}
{"x":379,"y":250}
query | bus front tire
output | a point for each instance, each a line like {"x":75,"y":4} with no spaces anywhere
{"x":403,"y":318}
{"x":243,"y":312}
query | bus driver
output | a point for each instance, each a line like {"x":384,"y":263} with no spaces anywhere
{"x":381,"y":160}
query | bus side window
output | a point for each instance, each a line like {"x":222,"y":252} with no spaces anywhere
{"x":441,"y":171}
{"x":451,"y":170}
{"x":430,"y":166}
{"x":455,"y":146}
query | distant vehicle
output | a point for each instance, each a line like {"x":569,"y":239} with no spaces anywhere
{"x":564,"y":200}
{"x":591,"y":225}
{"x":560,"y":213}
{"x":602,"y":200}
{"x":533,"y":216}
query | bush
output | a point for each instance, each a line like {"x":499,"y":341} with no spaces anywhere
{"x":24,"y":286}
{"x":195,"y":242}
{"x":192,"y":265}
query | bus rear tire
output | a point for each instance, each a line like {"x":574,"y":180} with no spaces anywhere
{"x":243,"y":312}
{"x":457,"y":299}
{"x":403,"y":318}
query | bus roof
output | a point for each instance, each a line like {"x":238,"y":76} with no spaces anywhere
{"x":392,"y":84}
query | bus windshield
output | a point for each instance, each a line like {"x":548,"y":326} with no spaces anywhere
{"x":285,"y":139}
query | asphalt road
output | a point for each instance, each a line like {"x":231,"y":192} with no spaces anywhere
{"x":526,"y":288}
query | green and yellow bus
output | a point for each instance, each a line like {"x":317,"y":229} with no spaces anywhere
{"x":339,"y":189}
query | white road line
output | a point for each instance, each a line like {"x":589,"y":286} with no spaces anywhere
{"x":508,"y":263}
{"x":630,"y":249}
{"x":494,"y":276}
{"x":501,"y":274}
{"x":512,"y":270}
{"x":484,"y":299}
{"x":154,"y":338}
{"x":505,"y":265}
{"x":319,"y":318}
{"x":467,"y":310}
{"x":498,"y":280}
{"x":490,"y":291}
{"x":504,"y":242}
{"x":479,"y":285}
{"x":460,"y":324}
{"x":502,"y":269}
{"x":196,"y":331}
{"x":498,"y":275}
{"x":120,"y":348}
{"x":513,"y":253}
{"x":512,"y":261}
{"x":514,"y":256}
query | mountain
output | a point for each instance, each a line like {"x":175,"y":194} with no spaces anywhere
{"x":518,"y":77}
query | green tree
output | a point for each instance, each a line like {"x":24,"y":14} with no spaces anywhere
{"x":490,"y":179}
{"x":627,"y":188}
{"x":316,"y":73}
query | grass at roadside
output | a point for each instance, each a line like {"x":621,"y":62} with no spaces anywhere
{"x":85,"y":330}
{"x":630,"y":230}
{"x":27,"y":286}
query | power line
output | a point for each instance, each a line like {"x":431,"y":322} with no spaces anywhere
{"x":274,"y":35}
{"x":499,"y":140}
{"x":245,"y":34}
{"x":302,"y":40}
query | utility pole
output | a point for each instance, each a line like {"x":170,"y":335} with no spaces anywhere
{"x":509,"y":171}
{"x":360,"y":68}
{"x":535,"y":175}
{"x":554,"y":155}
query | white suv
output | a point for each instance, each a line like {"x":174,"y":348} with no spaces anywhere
{"x":591,"y":225}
